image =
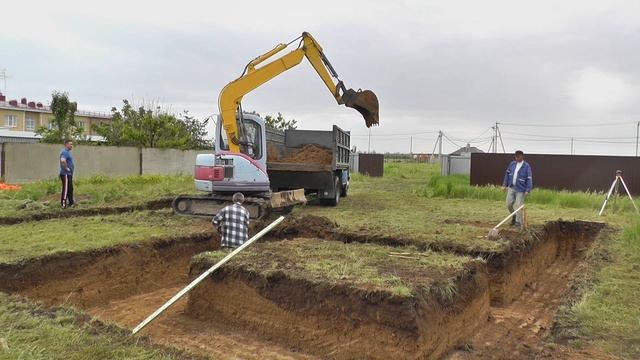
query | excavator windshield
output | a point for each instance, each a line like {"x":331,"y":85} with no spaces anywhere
{"x":253,"y":139}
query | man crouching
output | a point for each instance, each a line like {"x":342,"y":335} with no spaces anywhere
{"x":232,"y":223}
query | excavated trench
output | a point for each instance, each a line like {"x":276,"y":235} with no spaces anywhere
{"x":504,"y":309}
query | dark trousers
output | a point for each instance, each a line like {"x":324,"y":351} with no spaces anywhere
{"x":66,"y":197}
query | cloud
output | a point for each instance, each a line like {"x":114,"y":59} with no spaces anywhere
{"x":459,"y":66}
{"x":598,"y":90}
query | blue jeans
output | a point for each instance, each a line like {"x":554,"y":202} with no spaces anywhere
{"x":514,"y":200}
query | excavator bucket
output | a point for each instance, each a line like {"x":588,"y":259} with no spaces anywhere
{"x":366,"y":102}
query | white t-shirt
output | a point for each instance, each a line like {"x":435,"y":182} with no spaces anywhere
{"x":515,"y":173}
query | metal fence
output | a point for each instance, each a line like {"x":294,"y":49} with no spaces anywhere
{"x":455,"y":165}
{"x":371,"y":164}
{"x":568,"y":172}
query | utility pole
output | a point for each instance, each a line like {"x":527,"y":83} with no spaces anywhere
{"x":369,"y":149}
{"x":495,"y":136}
{"x":500,"y":136}
{"x":438,"y":139}
{"x":411,"y":147}
{"x":440,"y":145}
{"x":4,"y":77}
{"x":571,"y":146}
{"x":637,"y":135}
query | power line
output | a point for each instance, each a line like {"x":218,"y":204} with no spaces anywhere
{"x":569,"y":125}
{"x":484,"y":132}
{"x":569,"y":137}
{"x":450,"y":141}
{"x":406,"y":134}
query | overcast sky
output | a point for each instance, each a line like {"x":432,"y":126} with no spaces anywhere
{"x":455,"y":66}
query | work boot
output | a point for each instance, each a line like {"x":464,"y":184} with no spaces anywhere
{"x":513,"y":221}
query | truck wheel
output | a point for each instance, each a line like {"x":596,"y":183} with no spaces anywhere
{"x":345,"y":190}
{"x":337,"y":190}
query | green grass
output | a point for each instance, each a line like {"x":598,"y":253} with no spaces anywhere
{"x":414,"y":201}
{"x":367,"y":266}
{"x":95,"y":191}
{"x":29,"y":331}
{"x":608,"y":315}
{"x":29,"y":240}
{"x":401,"y":204}
{"x":457,"y":187}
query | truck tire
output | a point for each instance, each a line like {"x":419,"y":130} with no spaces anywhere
{"x":345,"y":190}
{"x":337,"y":191}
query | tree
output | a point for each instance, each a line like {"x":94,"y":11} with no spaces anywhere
{"x":197,"y":130}
{"x":144,"y":127}
{"x":63,"y":125}
{"x":280,"y":122}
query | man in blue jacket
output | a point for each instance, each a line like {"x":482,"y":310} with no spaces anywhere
{"x":518,"y":182}
{"x":66,"y":174}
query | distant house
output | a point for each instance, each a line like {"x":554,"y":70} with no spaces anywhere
{"x":466,"y":151}
{"x":20,"y":119}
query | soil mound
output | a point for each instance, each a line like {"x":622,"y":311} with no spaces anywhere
{"x":308,"y":226}
{"x":309,"y":154}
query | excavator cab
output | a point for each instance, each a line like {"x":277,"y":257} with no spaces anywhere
{"x":366,"y":102}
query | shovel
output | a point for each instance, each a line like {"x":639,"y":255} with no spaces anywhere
{"x":495,"y":232}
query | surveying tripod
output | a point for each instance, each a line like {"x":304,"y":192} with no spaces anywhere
{"x":615,"y":186}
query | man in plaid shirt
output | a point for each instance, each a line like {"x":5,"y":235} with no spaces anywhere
{"x":232,"y":222}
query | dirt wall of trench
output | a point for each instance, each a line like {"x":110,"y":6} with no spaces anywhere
{"x":510,"y":271}
{"x":342,"y":322}
{"x":89,"y":278}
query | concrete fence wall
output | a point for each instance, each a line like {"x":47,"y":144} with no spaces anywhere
{"x":22,"y":163}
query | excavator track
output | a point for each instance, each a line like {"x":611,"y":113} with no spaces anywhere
{"x":259,"y":205}
{"x":208,"y":206}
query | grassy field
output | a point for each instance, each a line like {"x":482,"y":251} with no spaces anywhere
{"x":413,"y":201}
{"x":29,"y":331}
{"x":96,"y":191}
{"x":609,"y":312}
{"x":410,"y":202}
{"x":30,"y":240}
{"x":365,"y":266}
{"x":404,"y":204}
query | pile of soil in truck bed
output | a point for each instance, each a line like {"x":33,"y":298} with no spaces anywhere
{"x":308,"y":154}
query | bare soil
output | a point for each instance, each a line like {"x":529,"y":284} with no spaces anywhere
{"x":88,"y":278}
{"x":340,"y":321}
{"x":521,"y":329}
{"x":175,"y":329}
{"x":308,"y":154}
{"x":238,"y":314}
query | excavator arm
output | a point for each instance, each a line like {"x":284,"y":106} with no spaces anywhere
{"x":365,"y":101}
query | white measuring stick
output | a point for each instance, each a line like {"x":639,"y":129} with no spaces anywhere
{"x":195,"y":282}
{"x":507,"y":218}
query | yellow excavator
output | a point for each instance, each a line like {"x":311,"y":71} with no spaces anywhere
{"x":366,"y":102}
{"x":239,"y":163}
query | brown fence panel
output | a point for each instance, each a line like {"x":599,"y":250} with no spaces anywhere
{"x":568,"y":172}
{"x":371,"y":164}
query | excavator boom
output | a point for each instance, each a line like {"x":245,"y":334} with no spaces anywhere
{"x":364,"y":101}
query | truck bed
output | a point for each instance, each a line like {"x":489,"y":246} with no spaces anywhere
{"x":312,"y":171}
